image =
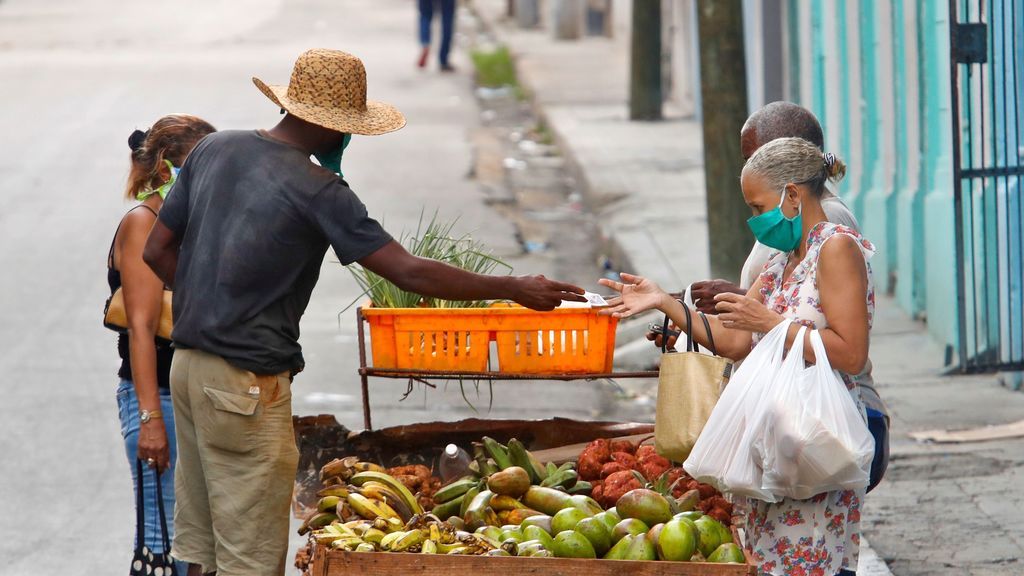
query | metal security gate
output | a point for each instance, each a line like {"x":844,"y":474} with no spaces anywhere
{"x":987,"y":72}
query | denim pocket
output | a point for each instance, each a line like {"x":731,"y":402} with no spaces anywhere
{"x":126,"y":407}
{"x":233,"y":423}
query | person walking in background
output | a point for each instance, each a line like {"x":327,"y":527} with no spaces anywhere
{"x":143,"y":395}
{"x":427,"y":8}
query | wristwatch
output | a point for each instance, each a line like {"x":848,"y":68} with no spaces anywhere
{"x":147,"y":415}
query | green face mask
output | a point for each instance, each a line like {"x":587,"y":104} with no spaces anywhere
{"x":162,"y":190}
{"x":775,"y":230}
{"x":332,"y":160}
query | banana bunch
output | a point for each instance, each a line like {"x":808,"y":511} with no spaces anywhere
{"x":491,"y":457}
{"x":340,"y":470}
{"x":423,"y":534}
{"x":370,"y":495}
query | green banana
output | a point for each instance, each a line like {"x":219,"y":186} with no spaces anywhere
{"x":564,"y":479}
{"x":581,"y":487}
{"x":489,"y":467}
{"x":339,"y":490}
{"x":373,"y":536}
{"x":454,"y":489}
{"x":408,"y":540}
{"x":476,"y":513}
{"x":378,"y":491}
{"x":519,"y":457}
{"x":429,"y":547}
{"x":316,"y":521}
{"x":388,"y":540}
{"x":498,"y":451}
{"x":366,"y":547}
{"x":551,"y":468}
{"x":467,"y":498}
{"x":450,"y":548}
{"x":328,"y":504}
{"x":391,"y":482}
{"x":450,"y":508}
{"x":539,"y":468}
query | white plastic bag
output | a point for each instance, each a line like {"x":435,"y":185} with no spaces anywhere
{"x":717,"y":457}
{"x":813,"y":438}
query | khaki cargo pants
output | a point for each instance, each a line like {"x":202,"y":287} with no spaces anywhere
{"x":236,"y":466}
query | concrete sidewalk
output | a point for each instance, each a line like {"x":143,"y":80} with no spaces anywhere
{"x":943,"y":509}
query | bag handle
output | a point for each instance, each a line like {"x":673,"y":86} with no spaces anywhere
{"x":691,"y":344}
{"x":140,"y":516}
{"x":711,"y":337}
{"x":820,"y":354}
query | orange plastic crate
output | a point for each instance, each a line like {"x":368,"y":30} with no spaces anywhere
{"x":564,"y":341}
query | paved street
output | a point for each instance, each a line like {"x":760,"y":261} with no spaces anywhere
{"x":79,"y":76}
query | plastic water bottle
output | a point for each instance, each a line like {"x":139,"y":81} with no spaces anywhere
{"x":454,"y":463}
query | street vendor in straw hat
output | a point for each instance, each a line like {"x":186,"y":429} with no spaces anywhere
{"x":241,"y":237}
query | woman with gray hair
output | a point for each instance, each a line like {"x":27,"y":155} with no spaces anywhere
{"x":816,"y":283}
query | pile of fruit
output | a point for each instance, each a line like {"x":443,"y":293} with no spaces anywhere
{"x":512,"y":505}
{"x":501,"y":475}
{"x":616,"y":467}
{"x":644,"y":525}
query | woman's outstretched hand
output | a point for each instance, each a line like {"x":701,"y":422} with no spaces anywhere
{"x":638,"y":295}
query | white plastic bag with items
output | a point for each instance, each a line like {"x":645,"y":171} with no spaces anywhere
{"x":813,"y":438}
{"x":721,"y":456}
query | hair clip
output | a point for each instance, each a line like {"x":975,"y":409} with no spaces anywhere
{"x":829,"y":160}
{"x":137,"y":139}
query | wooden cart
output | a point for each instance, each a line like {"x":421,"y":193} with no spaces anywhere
{"x":330,"y":562}
{"x":340,"y":563}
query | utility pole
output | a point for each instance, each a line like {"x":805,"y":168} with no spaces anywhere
{"x":645,"y":61}
{"x":568,"y":19}
{"x":527,"y":13}
{"x":723,"y":89}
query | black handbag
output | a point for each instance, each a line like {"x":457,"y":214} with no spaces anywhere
{"x":146,"y":562}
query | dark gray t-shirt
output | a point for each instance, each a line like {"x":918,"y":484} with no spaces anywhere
{"x":255,"y":217}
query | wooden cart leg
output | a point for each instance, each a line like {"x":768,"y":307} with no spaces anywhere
{"x":365,"y":380}
{"x":366,"y":402}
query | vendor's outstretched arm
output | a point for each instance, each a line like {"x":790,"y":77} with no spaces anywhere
{"x":161,"y":252}
{"x":438,"y":280}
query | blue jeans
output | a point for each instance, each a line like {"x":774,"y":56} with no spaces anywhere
{"x":880,"y":431}
{"x":447,"y":25}
{"x":128,"y":407}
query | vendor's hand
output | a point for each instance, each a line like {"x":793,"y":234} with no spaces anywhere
{"x":153,"y":444}
{"x":638,"y":295}
{"x":745,"y":313}
{"x":539,"y":293}
{"x":704,"y":292}
{"x":659,"y":339}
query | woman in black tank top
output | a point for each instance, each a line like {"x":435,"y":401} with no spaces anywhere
{"x":144,"y":401}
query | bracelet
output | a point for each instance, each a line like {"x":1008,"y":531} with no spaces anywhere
{"x":146,"y":416}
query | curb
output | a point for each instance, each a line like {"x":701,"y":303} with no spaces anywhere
{"x":611,"y":248}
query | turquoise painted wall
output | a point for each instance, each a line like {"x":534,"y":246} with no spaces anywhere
{"x":912,"y":223}
{"x":843,"y":45}
{"x":940,"y":302}
{"x":907,"y":224}
{"x":871,"y":204}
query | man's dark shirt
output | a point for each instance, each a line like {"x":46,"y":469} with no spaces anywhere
{"x":255,"y":217}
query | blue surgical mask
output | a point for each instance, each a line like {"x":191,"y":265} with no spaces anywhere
{"x":332,"y":160}
{"x":775,"y":230}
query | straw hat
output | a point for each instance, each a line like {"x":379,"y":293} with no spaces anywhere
{"x":328,"y":88}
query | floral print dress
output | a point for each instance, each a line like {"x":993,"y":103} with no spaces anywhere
{"x":820,"y":536}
